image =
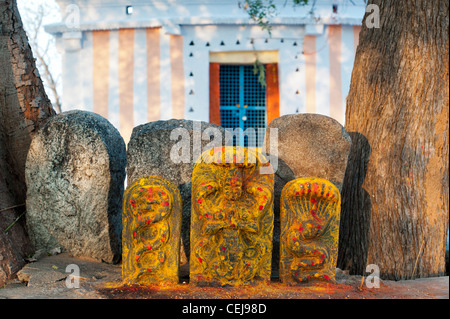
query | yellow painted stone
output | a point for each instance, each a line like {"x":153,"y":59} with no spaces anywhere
{"x":151,"y":219}
{"x":231,"y":217}
{"x":309,"y":218}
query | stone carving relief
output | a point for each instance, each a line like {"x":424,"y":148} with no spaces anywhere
{"x":310,"y":215}
{"x":231,"y":217}
{"x":151,"y":233}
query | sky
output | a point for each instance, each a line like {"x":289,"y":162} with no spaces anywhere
{"x":28,"y":10}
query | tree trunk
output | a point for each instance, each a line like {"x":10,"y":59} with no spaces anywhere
{"x":395,"y":193}
{"x":24,"y":107}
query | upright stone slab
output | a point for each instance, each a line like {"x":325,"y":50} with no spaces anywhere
{"x":310,"y":145}
{"x":75,"y":172}
{"x":310,"y":215}
{"x":157,"y":148}
{"x":151,"y":231}
{"x":307,"y":145}
{"x":232,"y":218}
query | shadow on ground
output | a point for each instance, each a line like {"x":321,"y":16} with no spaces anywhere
{"x":46,"y":279}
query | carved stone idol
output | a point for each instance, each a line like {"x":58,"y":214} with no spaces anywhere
{"x":151,"y":231}
{"x":232,"y":217}
{"x":310,"y":215}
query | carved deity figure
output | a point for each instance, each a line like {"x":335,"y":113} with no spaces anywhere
{"x":151,"y":231}
{"x":231,"y":217}
{"x":310,"y":215}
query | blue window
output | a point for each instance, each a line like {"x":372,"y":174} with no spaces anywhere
{"x":242,"y":104}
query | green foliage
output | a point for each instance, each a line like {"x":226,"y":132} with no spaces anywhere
{"x":258,"y":67}
{"x":300,"y":2}
{"x":260,"y":11}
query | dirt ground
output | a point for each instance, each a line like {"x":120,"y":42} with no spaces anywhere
{"x":46,"y":279}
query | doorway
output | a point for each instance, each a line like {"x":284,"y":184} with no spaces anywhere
{"x":239,"y":102}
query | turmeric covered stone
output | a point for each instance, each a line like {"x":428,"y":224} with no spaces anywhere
{"x":232,"y":217}
{"x":310,"y":215}
{"x":151,"y":231}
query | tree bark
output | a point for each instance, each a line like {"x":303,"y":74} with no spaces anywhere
{"x":395,"y":192}
{"x":24,"y":107}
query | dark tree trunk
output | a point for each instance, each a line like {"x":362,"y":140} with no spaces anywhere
{"x":395,"y":193}
{"x":24,"y":107}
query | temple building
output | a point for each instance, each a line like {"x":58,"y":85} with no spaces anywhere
{"x":136,"y":61}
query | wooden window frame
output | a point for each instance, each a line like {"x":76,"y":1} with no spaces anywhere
{"x":272,"y":92}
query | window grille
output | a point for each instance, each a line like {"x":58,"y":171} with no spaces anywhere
{"x":242,"y":104}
